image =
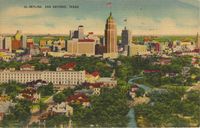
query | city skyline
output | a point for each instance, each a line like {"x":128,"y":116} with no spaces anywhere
{"x":157,"y":17}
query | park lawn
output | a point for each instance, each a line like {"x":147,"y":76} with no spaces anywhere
{"x":35,"y":106}
{"x":43,"y":99}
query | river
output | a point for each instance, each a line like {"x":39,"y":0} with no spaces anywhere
{"x":131,"y":114}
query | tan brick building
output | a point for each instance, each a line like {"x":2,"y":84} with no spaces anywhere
{"x":79,"y":47}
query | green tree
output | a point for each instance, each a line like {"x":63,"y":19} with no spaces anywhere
{"x":46,"y":90}
{"x":42,"y":106}
{"x":110,"y":109}
{"x":58,"y":98}
{"x":68,"y":92}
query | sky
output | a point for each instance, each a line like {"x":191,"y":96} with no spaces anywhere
{"x":144,"y":17}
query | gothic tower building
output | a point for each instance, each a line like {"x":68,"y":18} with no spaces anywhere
{"x":110,"y":35}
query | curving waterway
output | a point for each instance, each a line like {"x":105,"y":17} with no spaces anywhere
{"x":131,"y":114}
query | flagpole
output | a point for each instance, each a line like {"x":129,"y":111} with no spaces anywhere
{"x":109,"y":5}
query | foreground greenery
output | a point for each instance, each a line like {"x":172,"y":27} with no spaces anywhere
{"x":170,"y":108}
{"x":19,"y":114}
{"x":109,"y":109}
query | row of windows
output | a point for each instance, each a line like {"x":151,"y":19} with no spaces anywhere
{"x":53,"y":81}
{"x":46,"y":77}
{"x":49,"y":74}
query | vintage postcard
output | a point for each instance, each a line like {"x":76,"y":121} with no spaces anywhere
{"x":99,"y":63}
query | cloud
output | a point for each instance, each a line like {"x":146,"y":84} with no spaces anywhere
{"x":21,"y":12}
{"x":165,"y":26}
{"x":195,"y":3}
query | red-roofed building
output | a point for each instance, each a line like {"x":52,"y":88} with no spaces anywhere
{"x":27,"y":67}
{"x":29,"y":94}
{"x":196,"y":50}
{"x":30,"y":44}
{"x":79,"y":98}
{"x":92,"y":77}
{"x":133,"y":91}
{"x":96,"y":73}
{"x":66,"y":67}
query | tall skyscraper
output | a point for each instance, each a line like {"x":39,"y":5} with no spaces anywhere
{"x":126,"y":36}
{"x":111,"y":35}
{"x":80,"y":32}
{"x":77,"y":34}
{"x":198,"y":41}
{"x":73,"y":34}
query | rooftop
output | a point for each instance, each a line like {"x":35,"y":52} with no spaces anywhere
{"x":67,"y":66}
{"x":26,"y":66}
{"x":86,"y":40}
{"x":81,"y":97}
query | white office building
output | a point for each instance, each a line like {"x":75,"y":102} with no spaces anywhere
{"x":56,"y":77}
{"x":8,"y":43}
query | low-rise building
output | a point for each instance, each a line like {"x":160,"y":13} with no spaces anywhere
{"x":62,"y":108}
{"x":27,"y":67}
{"x":30,"y":94}
{"x":133,"y":90}
{"x":92,"y":77}
{"x":107,"y":81}
{"x":34,"y":51}
{"x":5,"y":104}
{"x":136,"y":49}
{"x":79,"y":98}
{"x":6,"y":56}
{"x":56,"y":77}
